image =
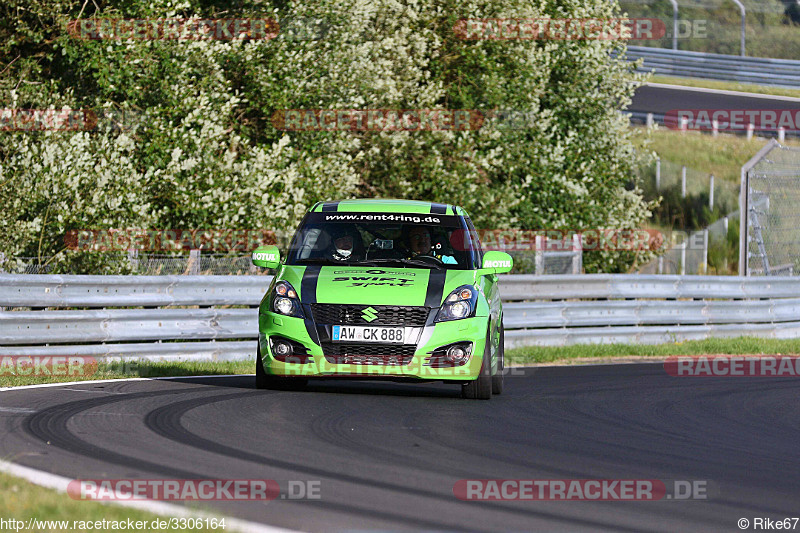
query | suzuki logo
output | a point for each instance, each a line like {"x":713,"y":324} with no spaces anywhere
{"x":369,"y":314}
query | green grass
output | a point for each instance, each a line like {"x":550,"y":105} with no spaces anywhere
{"x":137,"y":369}
{"x":722,"y":156}
{"x":23,"y":500}
{"x":526,"y":355}
{"x":737,"y":346}
{"x":726,"y":85}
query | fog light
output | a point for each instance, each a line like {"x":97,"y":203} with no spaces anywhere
{"x":456,"y":354}
{"x":282,"y":349}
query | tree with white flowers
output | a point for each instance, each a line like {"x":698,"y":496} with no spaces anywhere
{"x":203,"y":151}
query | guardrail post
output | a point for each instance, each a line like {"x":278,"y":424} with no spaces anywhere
{"x":661,"y":264}
{"x":711,"y":193}
{"x":683,"y":181}
{"x":781,"y":134}
{"x":539,"y":255}
{"x":577,"y":254}
{"x":705,"y":251}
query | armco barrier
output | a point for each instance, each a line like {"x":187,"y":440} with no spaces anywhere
{"x":758,"y":70}
{"x":215,"y":317}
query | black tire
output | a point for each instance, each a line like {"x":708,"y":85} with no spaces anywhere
{"x":499,"y":376}
{"x":264,"y":381}
{"x":261,"y":377}
{"x":481,"y":388}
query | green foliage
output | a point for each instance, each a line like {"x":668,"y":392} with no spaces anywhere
{"x":205,"y":154}
{"x":723,"y":253}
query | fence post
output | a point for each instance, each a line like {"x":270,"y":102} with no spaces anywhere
{"x":658,"y":173}
{"x":725,"y":239}
{"x":577,"y":253}
{"x":682,"y":246}
{"x":674,"y":24}
{"x":133,"y":258}
{"x":711,"y":193}
{"x":781,"y":134}
{"x":649,"y":120}
{"x":714,"y":128}
{"x":683,"y":181}
{"x":705,"y":251}
{"x":661,"y":264}
{"x":684,"y":124}
{"x":539,"y":255}
{"x":193,"y":268}
{"x":741,"y":37}
{"x":750,"y":128}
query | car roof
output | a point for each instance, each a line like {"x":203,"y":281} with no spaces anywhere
{"x":373,"y":205}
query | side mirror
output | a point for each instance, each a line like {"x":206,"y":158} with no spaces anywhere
{"x":496,"y":263}
{"x":267,"y":257}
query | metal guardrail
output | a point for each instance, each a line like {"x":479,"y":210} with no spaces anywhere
{"x":622,"y":286}
{"x":19,"y":290}
{"x":759,"y":70}
{"x":539,"y":310}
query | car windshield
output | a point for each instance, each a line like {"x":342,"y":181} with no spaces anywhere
{"x":386,"y":239}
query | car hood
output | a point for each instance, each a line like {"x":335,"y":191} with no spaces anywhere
{"x":376,"y":285}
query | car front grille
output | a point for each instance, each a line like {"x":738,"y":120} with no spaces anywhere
{"x":385,"y":315}
{"x":368,"y":354}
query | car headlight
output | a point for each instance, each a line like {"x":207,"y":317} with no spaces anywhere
{"x":285,"y":300}
{"x":460,"y":303}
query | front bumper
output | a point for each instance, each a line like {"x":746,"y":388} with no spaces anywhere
{"x":379,"y":364}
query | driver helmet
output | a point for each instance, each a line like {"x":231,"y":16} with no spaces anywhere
{"x":343,"y":243}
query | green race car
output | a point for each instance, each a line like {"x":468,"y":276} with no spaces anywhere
{"x":393,"y":289}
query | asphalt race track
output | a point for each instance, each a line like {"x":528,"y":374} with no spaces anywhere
{"x":387,"y":455}
{"x":656,"y":98}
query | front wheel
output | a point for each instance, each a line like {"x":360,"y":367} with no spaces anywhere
{"x":481,"y":388}
{"x":264,"y":381}
{"x":497,"y":379}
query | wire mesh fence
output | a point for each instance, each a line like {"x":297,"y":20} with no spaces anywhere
{"x":712,"y":250}
{"x":566,"y":261}
{"x":669,"y":179}
{"x":772,"y":241}
{"x":146,"y":265}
